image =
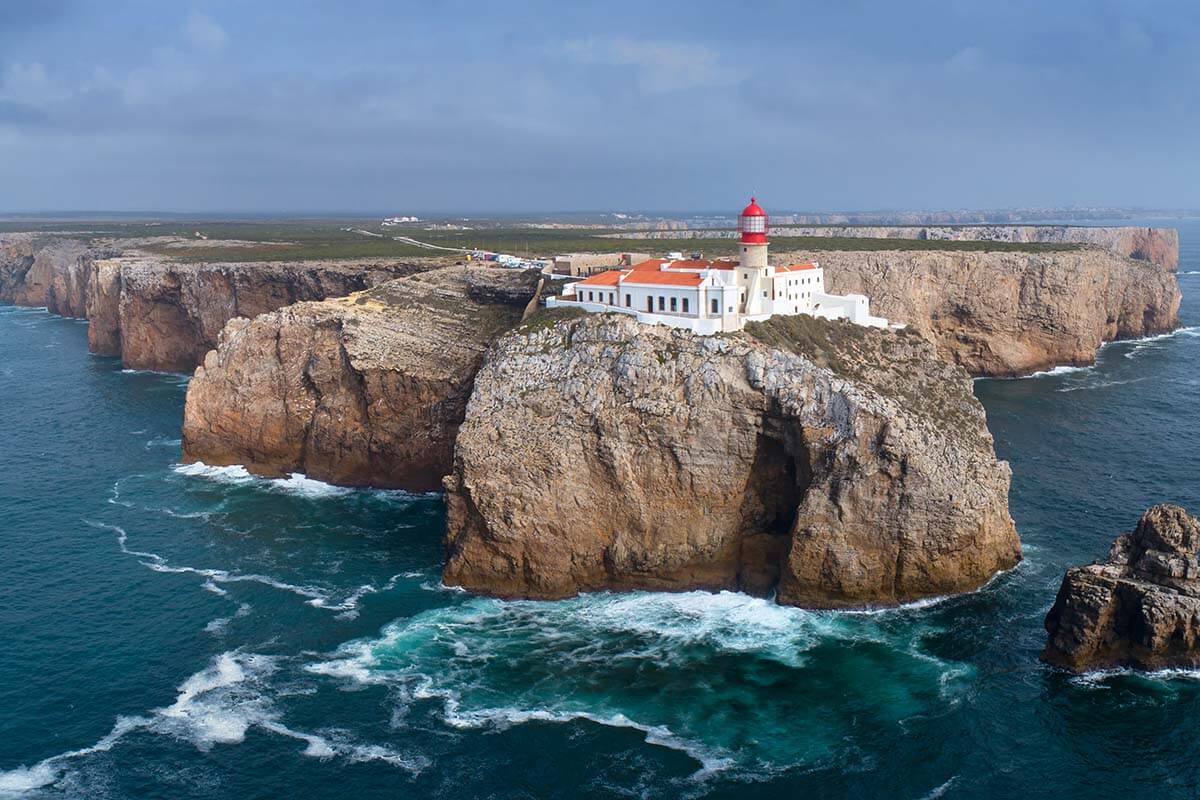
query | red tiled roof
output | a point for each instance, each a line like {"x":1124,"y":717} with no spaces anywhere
{"x":797,"y":267}
{"x":610,"y":278}
{"x":664,"y":278}
{"x":650,"y":264}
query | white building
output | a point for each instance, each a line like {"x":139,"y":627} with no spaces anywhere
{"x":722,"y":295}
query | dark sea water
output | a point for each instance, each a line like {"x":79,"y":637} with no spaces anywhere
{"x":194,"y":633}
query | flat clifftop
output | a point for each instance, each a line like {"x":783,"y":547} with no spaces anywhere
{"x":600,"y":454}
{"x":1008,"y":314}
{"x":367,"y":389}
{"x":1158,"y":246}
{"x":1140,"y":607}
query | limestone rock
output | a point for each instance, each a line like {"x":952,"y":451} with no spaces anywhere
{"x":1139,"y":608}
{"x":168,"y":313}
{"x":1007,"y":314}
{"x":364,"y":390}
{"x":48,"y":271}
{"x":834,"y":465}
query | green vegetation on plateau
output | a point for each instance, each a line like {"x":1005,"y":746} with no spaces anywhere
{"x":296,"y":239}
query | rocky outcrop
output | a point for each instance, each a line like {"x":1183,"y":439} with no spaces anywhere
{"x":1158,"y":246}
{"x":50,"y":272}
{"x":168,"y":314}
{"x":1140,"y":608}
{"x":1007,"y":314}
{"x":365,"y":390}
{"x":830,"y":464}
{"x":160,"y":313}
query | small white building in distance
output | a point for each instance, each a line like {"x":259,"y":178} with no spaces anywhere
{"x":720,"y":295}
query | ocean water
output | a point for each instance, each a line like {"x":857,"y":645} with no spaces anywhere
{"x":187,"y":632}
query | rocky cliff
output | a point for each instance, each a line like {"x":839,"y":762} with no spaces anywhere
{"x":160,"y":314}
{"x":47,"y":271}
{"x":1139,"y":608}
{"x":833,"y":465}
{"x":1010,"y":313}
{"x":157,"y":312}
{"x":365,"y":390}
{"x":1158,"y":246}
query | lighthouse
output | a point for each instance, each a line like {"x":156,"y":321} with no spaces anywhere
{"x":754,"y":273}
{"x":718,"y":295}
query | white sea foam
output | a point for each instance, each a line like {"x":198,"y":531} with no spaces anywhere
{"x":1045,"y":373}
{"x":1100,"y":678}
{"x":459,"y":656}
{"x":216,"y":706}
{"x":296,"y":483}
{"x":1191,"y":272}
{"x":940,"y":791}
{"x":1098,"y":385}
{"x":182,"y":376}
{"x":215,"y":578}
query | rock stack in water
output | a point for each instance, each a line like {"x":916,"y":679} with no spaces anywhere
{"x":1139,"y":608}
{"x":365,"y":390}
{"x":827,"y":464}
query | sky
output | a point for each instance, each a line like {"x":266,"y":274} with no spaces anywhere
{"x":523,"y":105}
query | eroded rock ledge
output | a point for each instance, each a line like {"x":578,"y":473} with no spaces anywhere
{"x":832,"y":465}
{"x":365,"y":390}
{"x":159,"y":314}
{"x":1139,"y":608}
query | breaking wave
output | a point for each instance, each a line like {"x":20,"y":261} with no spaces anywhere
{"x":216,"y":706}
{"x":296,"y":484}
{"x":670,"y":666}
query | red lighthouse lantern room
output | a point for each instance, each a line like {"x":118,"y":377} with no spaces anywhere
{"x":752,"y":224}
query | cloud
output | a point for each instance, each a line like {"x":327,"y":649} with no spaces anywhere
{"x":661,"y":66}
{"x":205,"y":34}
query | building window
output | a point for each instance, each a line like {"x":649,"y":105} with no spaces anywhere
{"x":662,"y":303}
{"x":649,"y":303}
{"x":628,"y":301}
{"x":590,"y":298}
{"x":685,"y":305}
{"x":716,"y":306}
{"x":674,"y":304}
{"x":764,"y":292}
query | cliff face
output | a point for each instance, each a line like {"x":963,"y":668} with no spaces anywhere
{"x":364,"y":390}
{"x":1010,"y":313}
{"x":35,"y":271}
{"x":167,"y":314}
{"x":834,"y":465}
{"x":1158,"y":246}
{"x":1140,"y":608}
{"x":162,"y":314}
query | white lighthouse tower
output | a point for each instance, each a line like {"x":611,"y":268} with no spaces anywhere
{"x":754,"y":273}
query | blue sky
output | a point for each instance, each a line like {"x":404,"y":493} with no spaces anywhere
{"x":555,"y":106}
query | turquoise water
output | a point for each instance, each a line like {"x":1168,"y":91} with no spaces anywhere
{"x":176,"y":632}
